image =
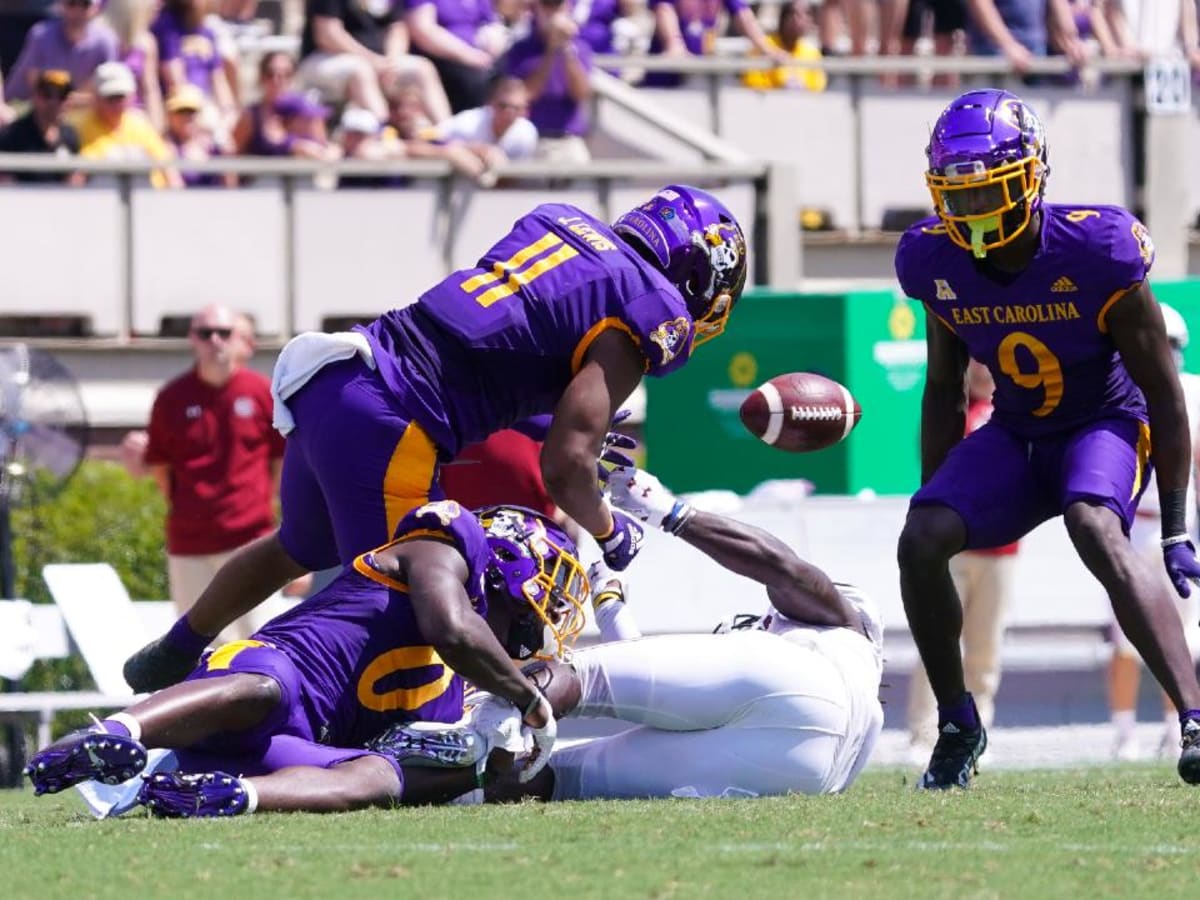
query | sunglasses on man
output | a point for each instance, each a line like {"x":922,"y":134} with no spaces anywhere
{"x":207,"y":334}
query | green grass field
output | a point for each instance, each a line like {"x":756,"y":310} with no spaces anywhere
{"x":1107,"y":832}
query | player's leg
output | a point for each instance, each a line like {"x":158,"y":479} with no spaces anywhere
{"x":1103,"y":467}
{"x":984,"y":609}
{"x":298,"y":775}
{"x":242,"y":693}
{"x":983,"y":495}
{"x":688,"y":682}
{"x":791,"y":746}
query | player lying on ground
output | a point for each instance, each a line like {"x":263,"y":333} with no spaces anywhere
{"x":564,"y":315}
{"x":786,"y":702}
{"x":391,"y":639}
{"x":1053,"y":299}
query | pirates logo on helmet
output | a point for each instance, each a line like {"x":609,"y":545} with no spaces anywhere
{"x":988,"y":164}
{"x":535,"y":567}
{"x":693,"y":239}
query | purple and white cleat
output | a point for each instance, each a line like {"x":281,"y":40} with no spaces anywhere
{"x":84,"y":755}
{"x":204,"y":795}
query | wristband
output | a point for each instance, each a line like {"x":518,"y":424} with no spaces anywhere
{"x":1173,"y":540}
{"x":604,"y":596}
{"x":676,"y":520}
{"x":1174,"y":513}
{"x":538,"y":697}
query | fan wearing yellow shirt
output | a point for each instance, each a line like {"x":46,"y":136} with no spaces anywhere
{"x":113,"y":129}
{"x":794,"y":23}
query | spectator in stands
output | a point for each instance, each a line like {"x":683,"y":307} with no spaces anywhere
{"x":17,"y":17}
{"x":1124,"y":670}
{"x":188,"y":53}
{"x":983,"y":579}
{"x":361,"y":136}
{"x":409,"y":126}
{"x":464,"y":39}
{"x":354,"y":52}
{"x":1153,"y":28}
{"x":42,"y":130}
{"x":137,"y":48}
{"x":303,"y":119}
{"x":556,"y":66}
{"x":216,"y":457}
{"x":1023,"y":30}
{"x":795,"y":24}
{"x":75,"y":41}
{"x":260,"y":130}
{"x":596,"y":19}
{"x":684,"y":27}
{"x":497,"y":132}
{"x":192,"y":142}
{"x":114,"y":129}
{"x":945,"y":19}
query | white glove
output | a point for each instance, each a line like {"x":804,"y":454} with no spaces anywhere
{"x":543,"y":742}
{"x":607,"y":586}
{"x":497,"y":721}
{"x":643,"y":496}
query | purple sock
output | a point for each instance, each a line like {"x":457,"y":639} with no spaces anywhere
{"x":961,"y":713}
{"x":1189,"y":714}
{"x":186,"y":639}
{"x":113,"y":727}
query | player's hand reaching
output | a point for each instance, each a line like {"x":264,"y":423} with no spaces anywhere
{"x":1179,"y":556}
{"x":542,"y":727}
{"x":643,"y":496}
{"x":611,"y":451}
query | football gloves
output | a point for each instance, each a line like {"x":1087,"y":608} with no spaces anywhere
{"x":643,"y":496}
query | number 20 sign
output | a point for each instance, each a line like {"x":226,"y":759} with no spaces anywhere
{"x":1168,"y":86}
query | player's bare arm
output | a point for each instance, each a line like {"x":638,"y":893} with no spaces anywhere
{"x":944,"y":401}
{"x":611,"y":370}
{"x":1136,"y":326}
{"x":435,"y":573}
{"x":796,"y":588}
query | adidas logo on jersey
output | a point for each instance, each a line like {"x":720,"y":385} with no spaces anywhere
{"x":1063,"y":285}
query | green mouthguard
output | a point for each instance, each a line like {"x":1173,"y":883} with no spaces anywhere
{"x":978,"y":230}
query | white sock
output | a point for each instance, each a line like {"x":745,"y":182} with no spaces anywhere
{"x":616,"y":622}
{"x":1124,"y":720}
{"x":134,"y":726}
{"x":251,"y":795}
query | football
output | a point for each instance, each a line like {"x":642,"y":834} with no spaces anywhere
{"x":800,"y":411}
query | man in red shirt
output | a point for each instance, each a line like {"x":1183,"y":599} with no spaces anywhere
{"x":212,"y":449}
{"x":983,"y":579}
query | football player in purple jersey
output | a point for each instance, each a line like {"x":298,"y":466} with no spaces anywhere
{"x":1053,"y":300}
{"x":564,"y":315}
{"x":267,"y":722}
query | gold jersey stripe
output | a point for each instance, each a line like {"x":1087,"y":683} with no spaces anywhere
{"x":518,"y":259}
{"x":543,"y":265}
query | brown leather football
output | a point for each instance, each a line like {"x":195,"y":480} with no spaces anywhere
{"x":800,"y":411}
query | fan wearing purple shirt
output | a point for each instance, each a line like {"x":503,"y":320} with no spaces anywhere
{"x":689,"y":27}
{"x":74,"y":42}
{"x":464,"y":40}
{"x":565,"y":314}
{"x":188,"y":54}
{"x":1053,"y":299}
{"x":555,"y":64}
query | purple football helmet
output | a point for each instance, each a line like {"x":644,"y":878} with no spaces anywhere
{"x":988,"y":164}
{"x":535,"y":567}
{"x":696,"y":242}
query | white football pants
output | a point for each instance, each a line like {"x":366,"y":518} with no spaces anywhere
{"x":740,"y":714}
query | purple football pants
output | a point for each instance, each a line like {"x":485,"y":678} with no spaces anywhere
{"x":284,"y":738}
{"x":354,"y":466}
{"x":1003,"y":485}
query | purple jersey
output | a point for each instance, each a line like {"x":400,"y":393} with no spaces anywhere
{"x":363,"y":661}
{"x":1042,"y":332}
{"x":498,"y":343}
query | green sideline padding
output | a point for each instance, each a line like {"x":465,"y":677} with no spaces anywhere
{"x":871,"y":341}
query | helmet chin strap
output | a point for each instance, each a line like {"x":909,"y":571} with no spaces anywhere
{"x":980,"y":229}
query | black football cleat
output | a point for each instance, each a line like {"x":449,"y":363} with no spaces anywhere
{"x":955,"y":757}
{"x":1189,"y":756}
